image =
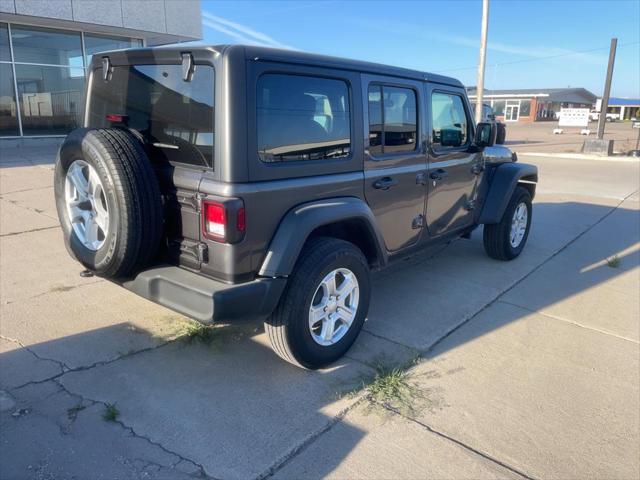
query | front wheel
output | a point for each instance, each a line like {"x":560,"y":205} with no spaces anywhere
{"x":324,"y":306}
{"x":506,"y":240}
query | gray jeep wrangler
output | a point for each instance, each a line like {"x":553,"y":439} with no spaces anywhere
{"x":232,"y":182}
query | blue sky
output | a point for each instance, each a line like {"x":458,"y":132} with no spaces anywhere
{"x":443,"y":37}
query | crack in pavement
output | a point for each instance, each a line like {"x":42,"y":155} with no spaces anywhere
{"x":29,"y":231}
{"x":60,"y":364}
{"x":18,"y":203}
{"x":571,"y":322}
{"x":25,"y":190}
{"x":130,"y":429}
{"x":531,"y":272}
{"x":458,"y":442}
{"x":306,"y":442}
{"x":87,"y":367}
{"x":57,"y":289}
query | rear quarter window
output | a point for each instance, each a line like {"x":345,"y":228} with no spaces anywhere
{"x":302,"y":118}
{"x":175,"y":117}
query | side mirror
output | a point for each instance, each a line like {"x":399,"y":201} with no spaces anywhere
{"x":485,"y":134}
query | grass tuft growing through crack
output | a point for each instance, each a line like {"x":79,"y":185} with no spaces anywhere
{"x":197,"y":332}
{"x":110,"y":413}
{"x":614,"y":262}
{"x":392,"y":387}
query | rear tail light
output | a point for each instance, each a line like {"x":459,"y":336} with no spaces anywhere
{"x":215,"y":221}
{"x":241,"y":220}
{"x":115,"y":118}
{"x":225,"y":221}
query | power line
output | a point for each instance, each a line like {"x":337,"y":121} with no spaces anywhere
{"x":535,"y":59}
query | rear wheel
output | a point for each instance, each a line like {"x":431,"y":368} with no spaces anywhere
{"x":324,"y":306}
{"x":506,"y":240}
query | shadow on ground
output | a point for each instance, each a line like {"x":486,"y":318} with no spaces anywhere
{"x":232,"y":407}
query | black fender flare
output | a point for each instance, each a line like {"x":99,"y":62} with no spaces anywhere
{"x":504,"y":182}
{"x":301,"y":221}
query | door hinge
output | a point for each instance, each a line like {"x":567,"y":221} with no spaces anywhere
{"x":195,"y":250}
{"x":417,"y":222}
{"x":193,"y":200}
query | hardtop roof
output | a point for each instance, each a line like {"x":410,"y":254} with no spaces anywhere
{"x":285,"y":56}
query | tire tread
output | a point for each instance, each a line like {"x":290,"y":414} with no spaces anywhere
{"x":495,"y":236}
{"x":316,"y":250}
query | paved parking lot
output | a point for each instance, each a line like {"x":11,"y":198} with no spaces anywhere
{"x":539,"y":137}
{"x":526,"y":369}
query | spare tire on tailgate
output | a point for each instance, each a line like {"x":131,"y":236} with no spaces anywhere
{"x":108,"y":201}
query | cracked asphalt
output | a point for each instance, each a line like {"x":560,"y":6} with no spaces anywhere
{"x":527,"y":369}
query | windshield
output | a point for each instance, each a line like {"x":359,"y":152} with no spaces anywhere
{"x":174,"y":116}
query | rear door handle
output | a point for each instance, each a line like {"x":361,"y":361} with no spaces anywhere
{"x":385,"y":183}
{"x":439,"y":174}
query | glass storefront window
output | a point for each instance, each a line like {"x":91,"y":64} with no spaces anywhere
{"x":5,"y":52}
{"x":51,"y":99}
{"x":498,"y":108}
{"x":525,"y":108}
{"x":49,"y":68}
{"x":8,"y":113}
{"x":101,"y":43}
{"x":46,"y":46}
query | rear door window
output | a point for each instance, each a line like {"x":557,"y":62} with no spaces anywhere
{"x":302,"y":118}
{"x":174,"y":116}
{"x":393,"y":119}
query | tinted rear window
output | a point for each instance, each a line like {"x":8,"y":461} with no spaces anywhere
{"x":302,"y":118}
{"x":393,"y":121}
{"x":175,"y":117}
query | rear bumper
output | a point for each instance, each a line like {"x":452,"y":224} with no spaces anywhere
{"x":205,"y":299}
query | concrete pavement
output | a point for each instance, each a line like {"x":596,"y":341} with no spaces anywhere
{"x":529,"y":368}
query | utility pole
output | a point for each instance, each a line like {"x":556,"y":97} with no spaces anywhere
{"x":482,"y":60}
{"x":604,"y":105}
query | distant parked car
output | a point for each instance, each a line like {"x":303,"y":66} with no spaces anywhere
{"x":594,"y":116}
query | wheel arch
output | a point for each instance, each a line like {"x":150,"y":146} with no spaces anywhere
{"x":504,"y":182}
{"x":347,"y":218}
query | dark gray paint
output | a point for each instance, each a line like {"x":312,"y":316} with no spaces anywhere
{"x":298,"y":224}
{"x":285,"y":203}
{"x":397,"y":207}
{"x":453,"y":176}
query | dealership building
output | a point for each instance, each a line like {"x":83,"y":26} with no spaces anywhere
{"x":46,"y":47}
{"x":626,"y":108}
{"x":533,"y":104}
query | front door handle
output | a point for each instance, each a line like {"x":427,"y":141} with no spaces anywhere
{"x":439,"y":174}
{"x":385,"y":183}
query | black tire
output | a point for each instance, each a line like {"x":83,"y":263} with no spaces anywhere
{"x":501,"y":134}
{"x":288,"y":328}
{"x":132,"y":195}
{"x":497,"y":243}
